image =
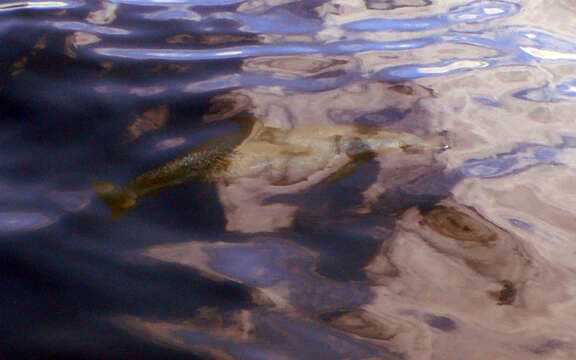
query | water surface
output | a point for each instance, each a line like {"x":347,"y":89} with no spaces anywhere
{"x":464,"y":253}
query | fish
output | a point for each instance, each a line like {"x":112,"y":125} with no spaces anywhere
{"x":278,"y":156}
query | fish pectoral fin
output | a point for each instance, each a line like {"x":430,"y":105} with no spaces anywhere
{"x":341,"y":173}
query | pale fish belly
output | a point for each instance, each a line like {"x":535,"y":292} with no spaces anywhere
{"x":301,"y":168}
{"x":256,"y":160}
{"x":283,"y":164}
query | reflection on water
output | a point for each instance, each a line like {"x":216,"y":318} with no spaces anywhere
{"x":316,"y":216}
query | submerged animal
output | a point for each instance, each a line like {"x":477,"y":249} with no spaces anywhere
{"x":277,"y":156}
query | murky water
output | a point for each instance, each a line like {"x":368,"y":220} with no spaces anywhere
{"x":299,"y":236}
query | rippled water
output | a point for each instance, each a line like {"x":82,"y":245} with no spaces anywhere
{"x":466,"y":253}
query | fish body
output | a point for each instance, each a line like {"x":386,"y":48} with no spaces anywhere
{"x":290,"y":156}
{"x":279,"y":156}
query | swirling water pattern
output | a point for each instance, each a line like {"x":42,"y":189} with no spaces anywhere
{"x":465,"y":253}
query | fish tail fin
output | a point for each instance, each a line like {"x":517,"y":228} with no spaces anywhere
{"x":118,"y":199}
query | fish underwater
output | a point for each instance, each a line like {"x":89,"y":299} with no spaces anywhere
{"x":277,"y":156}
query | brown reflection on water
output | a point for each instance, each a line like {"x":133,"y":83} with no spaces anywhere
{"x":394,"y":4}
{"x":77,"y":40}
{"x":289,"y":109}
{"x":211,"y":39}
{"x":296,"y":66}
{"x":105,"y":15}
{"x":151,"y":119}
{"x":19,"y":65}
{"x":489,"y":286}
{"x":537,"y":206}
{"x":293,"y":305}
{"x":162,"y":332}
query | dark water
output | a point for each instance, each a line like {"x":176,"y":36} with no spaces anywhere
{"x":462,"y":253}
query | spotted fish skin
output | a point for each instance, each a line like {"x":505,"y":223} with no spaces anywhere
{"x":202,"y":162}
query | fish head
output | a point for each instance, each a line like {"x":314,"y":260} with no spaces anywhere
{"x":387,"y":140}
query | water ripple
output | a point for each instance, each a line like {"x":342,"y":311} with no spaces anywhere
{"x":89,"y":28}
{"x":177,"y":2}
{"x":461,"y":246}
{"x":474,"y":12}
{"x":341,"y":47}
{"x":21,"y":221}
{"x":521,"y":158}
{"x":21,"y":5}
